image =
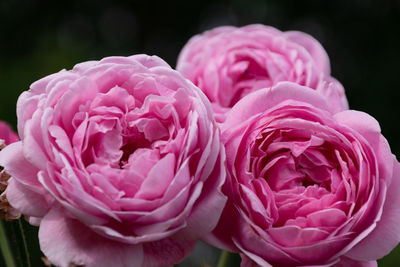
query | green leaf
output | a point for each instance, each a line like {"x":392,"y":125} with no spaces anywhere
{"x":13,"y":244}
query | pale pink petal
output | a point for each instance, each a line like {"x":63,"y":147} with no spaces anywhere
{"x":149,"y":61}
{"x":313,"y":47}
{"x":25,"y":200}
{"x":12,"y":158}
{"x":158,"y":179}
{"x":166,"y":252}
{"x":65,"y":241}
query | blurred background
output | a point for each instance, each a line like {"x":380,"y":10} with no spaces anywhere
{"x":362,"y":37}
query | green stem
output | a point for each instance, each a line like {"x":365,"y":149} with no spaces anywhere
{"x":28,"y":262}
{"x":5,"y":247}
{"x":223,"y":259}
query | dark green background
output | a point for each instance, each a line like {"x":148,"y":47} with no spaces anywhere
{"x":38,"y":38}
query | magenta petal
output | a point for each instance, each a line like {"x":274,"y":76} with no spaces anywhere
{"x":221,"y":237}
{"x":66,"y":241}
{"x":345,"y":262}
{"x":7,"y":134}
{"x":386,"y":234}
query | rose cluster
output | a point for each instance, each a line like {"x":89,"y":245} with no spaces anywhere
{"x":248,"y":145}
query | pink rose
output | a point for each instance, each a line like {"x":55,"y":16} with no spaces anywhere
{"x":119,"y":162}
{"x":307,"y":187}
{"x":7,"y":134}
{"x":227,"y":63}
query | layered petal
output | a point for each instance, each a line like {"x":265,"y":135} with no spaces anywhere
{"x":306,"y":186}
{"x":228,"y":63}
{"x":121,"y":157}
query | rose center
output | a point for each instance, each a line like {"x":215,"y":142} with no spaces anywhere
{"x":251,"y":72}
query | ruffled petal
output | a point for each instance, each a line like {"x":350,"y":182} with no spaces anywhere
{"x":313,"y":47}
{"x":386,"y":234}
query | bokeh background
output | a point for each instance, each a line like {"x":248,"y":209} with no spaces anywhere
{"x":362,"y":37}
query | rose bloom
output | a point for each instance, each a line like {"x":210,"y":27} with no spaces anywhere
{"x":227,"y":63}
{"x":306,"y":187}
{"x":7,"y":134}
{"x":119,"y":163}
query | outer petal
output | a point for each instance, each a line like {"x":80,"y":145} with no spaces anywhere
{"x":386,"y":235}
{"x":345,"y":262}
{"x":166,"y":252}
{"x":7,"y":134}
{"x":262,"y":100}
{"x":247,"y":262}
{"x":221,"y":236}
{"x":369,"y":128}
{"x":313,"y":47}
{"x":66,"y":241}
{"x":24,"y":200}
{"x":14,"y":162}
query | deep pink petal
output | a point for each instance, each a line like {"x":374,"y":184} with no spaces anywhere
{"x":386,"y":234}
{"x":7,"y":134}
{"x":253,"y":261}
{"x":345,"y":262}
{"x":208,"y":207}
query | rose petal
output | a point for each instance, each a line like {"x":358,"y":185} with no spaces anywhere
{"x":12,"y":158}
{"x":369,"y":128}
{"x":386,"y":234}
{"x":166,"y":252}
{"x":65,"y":241}
{"x":345,"y":262}
{"x":262,"y":100}
{"x":25,"y":200}
{"x":313,"y":47}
